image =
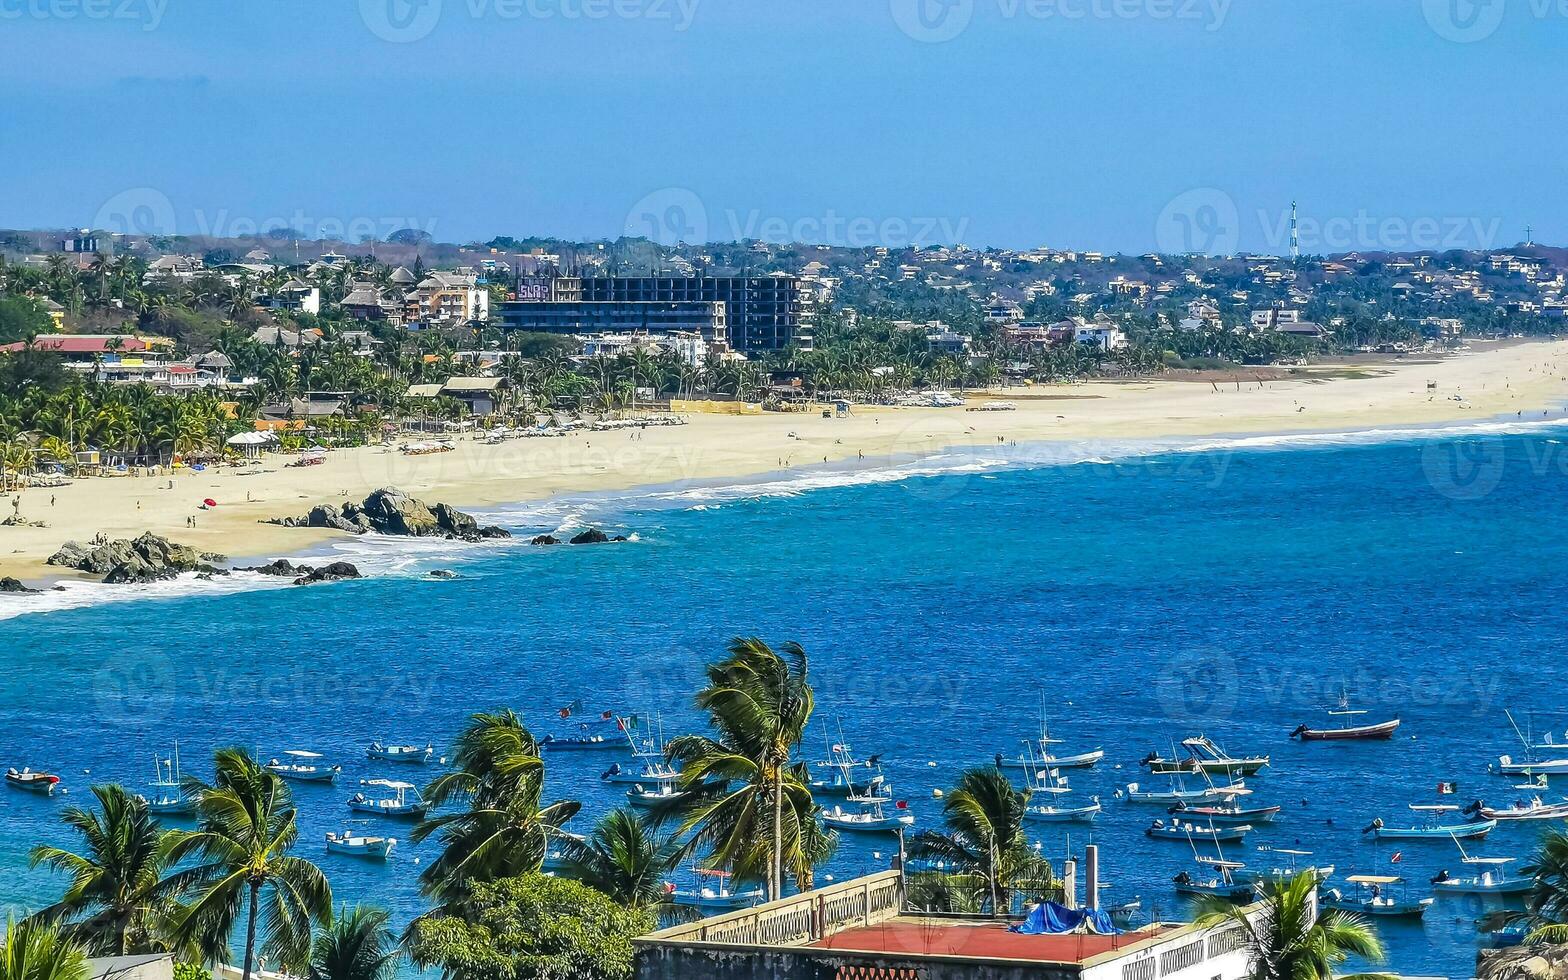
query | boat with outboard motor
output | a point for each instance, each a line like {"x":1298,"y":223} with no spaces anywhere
{"x":360,"y":845}
{"x":1203,"y":755}
{"x":410,"y":754}
{"x":1432,"y":827}
{"x":305,"y":768}
{"x":1346,"y":732}
{"x":1182,"y":830}
{"x":1218,"y":879}
{"x":1372,"y":896}
{"x":167,"y":796}
{"x":404,"y":803}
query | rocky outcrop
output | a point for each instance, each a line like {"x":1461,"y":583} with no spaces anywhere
{"x":12,"y":586}
{"x":149,"y":558}
{"x":283,"y":568}
{"x":442,"y":573}
{"x":335,"y":572}
{"x":595,"y":536}
{"x":391,"y":511}
{"x":546,"y":539}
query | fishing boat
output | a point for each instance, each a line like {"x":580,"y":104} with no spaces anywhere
{"x":167,"y":796}
{"x":712,"y":891}
{"x":1205,"y":756}
{"x":870,"y":818}
{"x":1042,"y":751}
{"x":1535,"y":809}
{"x":1218,"y":878}
{"x":649,"y":773}
{"x":841,"y":767}
{"x":1123,"y":913}
{"x":42,"y":783}
{"x":558,"y":849}
{"x":1195,"y":833}
{"x":1490,"y":878}
{"x":1553,"y":763}
{"x":412,"y":754}
{"x":399,"y":804}
{"x":304,"y":768}
{"x":648,"y":797}
{"x":1432,"y":826}
{"x":1178,"y":793}
{"x":1053,"y":785}
{"x":583,"y":741}
{"x":1228,"y":813}
{"x":360,"y":846}
{"x":1286,"y":871}
{"x":1346,"y":731}
{"x":1371,"y":896}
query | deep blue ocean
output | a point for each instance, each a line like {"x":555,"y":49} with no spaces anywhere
{"x":1231,"y":588}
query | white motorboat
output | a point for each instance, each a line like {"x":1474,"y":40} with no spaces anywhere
{"x":1552,"y":760}
{"x":1535,"y":809}
{"x":304,"y":767}
{"x":1042,"y":752}
{"x":1217,"y":877}
{"x":648,"y":797}
{"x":1286,"y":871}
{"x":167,"y":796}
{"x":842,"y":775}
{"x":27,"y":780}
{"x":412,"y":754}
{"x":1203,"y":755}
{"x":650,"y":773}
{"x":712,"y":892}
{"x":1489,"y":876}
{"x":404,"y":803}
{"x":1432,"y":825}
{"x":1179,"y":793}
{"x":1053,"y":786}
{"x":1374,"y":895}
{"x":1196,"y":833}
{"x":360,"y":846}
{"x":557,"y":854}
{"x":870,"y":817}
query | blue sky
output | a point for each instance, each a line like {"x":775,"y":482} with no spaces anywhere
{"x":1111,"y":124}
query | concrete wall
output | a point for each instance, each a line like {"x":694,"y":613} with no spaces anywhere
{"x":687,"y":962}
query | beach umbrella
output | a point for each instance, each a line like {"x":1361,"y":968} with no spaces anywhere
{"x":210,"y":502}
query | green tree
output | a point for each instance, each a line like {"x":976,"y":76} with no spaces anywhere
{"x":502,"y":831}
{"x":531,"y":927}
{"x":624,"y":859}
{"x":984,"y":840}
{"x":749,"y":803}
{"x":118,"y":902}
{"x":22,"y":319}
{"x":1546,"y":905}
{"x":247,"y":825}
{"x":358,"y":945}
{"x":1285,"y":943}
{"x":33,"y":950}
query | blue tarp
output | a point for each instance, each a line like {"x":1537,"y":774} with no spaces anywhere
{"x":1049,"y":918}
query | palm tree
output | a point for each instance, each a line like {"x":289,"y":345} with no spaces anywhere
{"x":748,"y":801}
{"x":1285,"y":942}
{"x":118,"y":902}
{"x":1546,"y":906}
{"x":247,"y":825}
{"x":504,"y":831}
{"x":34,"y":951}
{"x":623,"y":859}
{"x":359,"y":945}
{"x":985,"y":840}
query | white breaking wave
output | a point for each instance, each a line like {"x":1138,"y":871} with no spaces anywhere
{"x":76,"y":594}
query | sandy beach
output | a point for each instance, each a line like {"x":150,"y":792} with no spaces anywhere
{"x":1491,"y":381}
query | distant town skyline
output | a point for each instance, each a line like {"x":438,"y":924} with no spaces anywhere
{"x":1114,"y":125}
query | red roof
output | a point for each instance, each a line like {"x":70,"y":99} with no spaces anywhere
{"x":932,"y":937}
{"x":68,"y":344}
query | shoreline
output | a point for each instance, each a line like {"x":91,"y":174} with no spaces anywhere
{"x":1521,"y":381}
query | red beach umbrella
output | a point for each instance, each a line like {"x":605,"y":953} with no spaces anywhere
{"x":210,"y":502}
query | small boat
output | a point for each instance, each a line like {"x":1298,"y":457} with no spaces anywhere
{"x":1536,"y":809}
{"x":650,"y":773}
{"x":42,"y":783}
{"x":1052,"y":784}
{"x":168,"y":797}
{"x":1490,"y":879}
{"x":556,"y":854}
{"x":1123,"y":913}
{"x":712,"y":892}
{"x":1041,"y":752}
{"x":1432,"y":826}
{"x":304,"y":768}
{"x":1346,"y":731}
{"x":1205,"y":756}
{"x":1218,"y":879}
{"x":842,"y":766}
{"x":869,"y":819}
{"x":1285,"y":872}
{"x":1507,"y":766}
{"x":1371,"y":897}
{"x":583,"y":741}
{"x":1195,"y":833}
{"x":648,"y":797}
{"x":1136,"y":793}
{"x":398,"y":805}
{"x":1228,"y":813}
{"x":412,"y":754}
{"x":360,"y":846}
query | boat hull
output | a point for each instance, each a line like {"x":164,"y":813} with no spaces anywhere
{"x":1387,"y":910}
{"x":1077,"y":814}
{"x":379,"y":851}
{"x":1082,"y":760}
{"x":1184,"y":834}
{"x":1229,"y":892}
{"x":1469,"y":886}
{"x":1363,"y":733}
{"x":1254,"y":816}
{"x":1465,"y":831}
{"x":1214,"y":767}
{"x":405,"y":812}
{"x":39,"y":787}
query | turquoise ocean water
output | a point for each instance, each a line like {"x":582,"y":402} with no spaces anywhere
{"x":1226,"y":586}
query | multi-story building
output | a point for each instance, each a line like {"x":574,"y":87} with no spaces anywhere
{"x":747,"y":313}
{"x":447,"y":298}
